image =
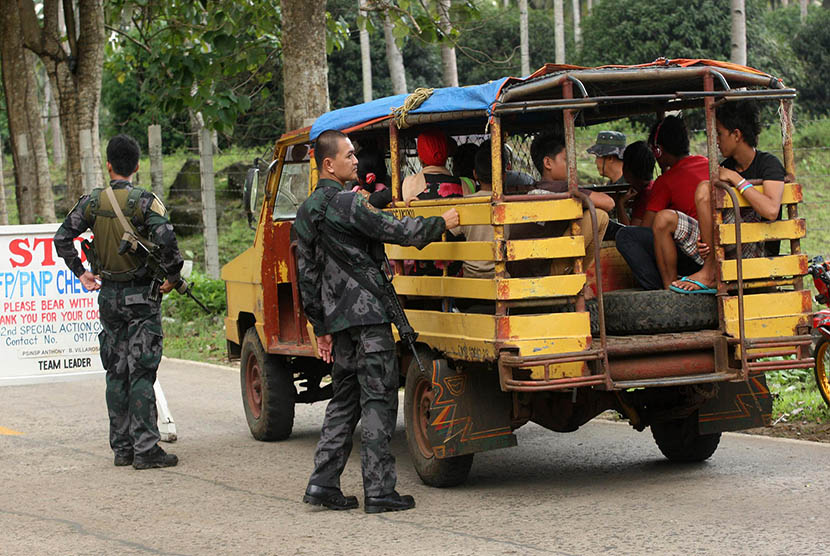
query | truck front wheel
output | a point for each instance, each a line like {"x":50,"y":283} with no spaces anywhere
{"x":680,"y":441}
{"x":436,"y":472}
{"x":268,"y":392}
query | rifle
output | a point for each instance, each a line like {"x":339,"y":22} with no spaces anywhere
{"x":152,"y":261}
{"x":393,"y":305}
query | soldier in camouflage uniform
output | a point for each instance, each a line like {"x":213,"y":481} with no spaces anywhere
{"x":335,"y":228}
{"x":131,"y":335}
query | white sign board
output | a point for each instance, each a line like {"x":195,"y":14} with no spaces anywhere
{"x":49,"y":322}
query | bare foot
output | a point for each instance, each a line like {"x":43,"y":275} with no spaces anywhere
{"x":694,"y":282}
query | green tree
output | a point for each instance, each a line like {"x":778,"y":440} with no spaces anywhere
{"x":812,"y":45}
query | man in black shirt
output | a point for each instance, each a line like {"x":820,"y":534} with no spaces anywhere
{"x":738,"y":127}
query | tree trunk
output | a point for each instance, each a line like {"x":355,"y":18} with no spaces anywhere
{"x":577,"y":25}
{"x":523,"y":37}
{"x":33,"y":183}
{"x":738,"y":32}
{"x":785,"y":3}
{"x":559,"y":30}
{"x":53,"y":124}
{"x":804,"y":5}
{"x":365,"y":55}
{"x":590,"y":6}
{"x":448,"y":63}
{"x":394,"y":59}
{"x":75,"y":70}
{"x":304,"y":68}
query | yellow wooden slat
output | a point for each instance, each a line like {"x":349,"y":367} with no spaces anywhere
{"x":536,"y":211}
{"x":482,"y":288}
{"x":792,"y":194}
{"x":469,"y":214}
{"x":475,"y":337}
{"x":763,"y":305}
{"x":547,"y":248}
{"x":769,"y":327}
{"x":763,"y":231}
{"x":765,"y":267}
{"x":446,"y":251}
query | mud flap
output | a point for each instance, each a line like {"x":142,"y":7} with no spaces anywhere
{"x":737,"y":406}
{"x":469,"y":413}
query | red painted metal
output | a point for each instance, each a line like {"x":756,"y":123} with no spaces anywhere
{"x":663,"y":365}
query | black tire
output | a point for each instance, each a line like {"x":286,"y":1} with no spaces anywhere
{"x":268,"y":392}
{"x":654,"y":312}
{"x":680,"y":441}
{"x":435,"y":472}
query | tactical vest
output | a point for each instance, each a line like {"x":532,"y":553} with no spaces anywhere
{"x":108,"y":232}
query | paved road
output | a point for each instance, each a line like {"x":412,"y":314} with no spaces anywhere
{"x":603,"y":489}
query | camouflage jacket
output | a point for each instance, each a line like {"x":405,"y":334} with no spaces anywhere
{"x":333,"y":300}
{"x":150,"y":221}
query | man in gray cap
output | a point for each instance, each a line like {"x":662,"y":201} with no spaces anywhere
{"x":609,"y":149}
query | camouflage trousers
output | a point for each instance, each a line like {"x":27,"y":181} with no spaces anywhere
{"x":365,"y":383}
{"x":131,"y":344}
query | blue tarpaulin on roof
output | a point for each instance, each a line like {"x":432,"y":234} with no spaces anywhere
{"x":449,"y":99}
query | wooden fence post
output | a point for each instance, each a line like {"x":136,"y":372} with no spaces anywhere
{"x":4,"y":213}
{"x":156,"y":169}
{"x":208,"y":203}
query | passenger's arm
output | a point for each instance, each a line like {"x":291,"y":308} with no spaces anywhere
{"x":602,"y":200}
{"x":768,"y":203}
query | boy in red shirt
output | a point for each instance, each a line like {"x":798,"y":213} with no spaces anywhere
{"x":655,"y":251}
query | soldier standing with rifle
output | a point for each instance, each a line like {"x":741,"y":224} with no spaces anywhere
{"x":340,"y":247}
{"x":131,"y":336}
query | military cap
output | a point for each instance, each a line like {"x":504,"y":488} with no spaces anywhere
{"x":608,"y":143}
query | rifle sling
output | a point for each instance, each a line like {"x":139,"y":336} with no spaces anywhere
{"x":125,"y":224}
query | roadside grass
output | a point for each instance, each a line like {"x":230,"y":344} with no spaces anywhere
{"x":796,"y":397}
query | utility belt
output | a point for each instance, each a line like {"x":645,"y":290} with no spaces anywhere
{"x":134,"y":283}
{"x":136,"y":277}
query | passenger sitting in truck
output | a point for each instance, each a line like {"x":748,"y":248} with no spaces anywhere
{"x":738,"y":127}
{"x":549,"y":157}
{"x":434,"y":181}
{"x":463,"y":166}
{"x":483,"y":173}
{"x":654,"y":250}
{"x":638,"y":172}
{"x":608,"y":150}
{"x":372,"y":177}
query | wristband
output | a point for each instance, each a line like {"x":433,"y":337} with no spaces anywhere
{"x":740,"y":184}
{"x":745,"y":187}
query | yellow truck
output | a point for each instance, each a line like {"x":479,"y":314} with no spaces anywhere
{"x":687,"y":366}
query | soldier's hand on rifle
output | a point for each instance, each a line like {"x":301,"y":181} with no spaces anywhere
{"x":90,"y":281}
{"x":324,"y":348}
{"x":166,"y":287}
{"x":451,"y":218}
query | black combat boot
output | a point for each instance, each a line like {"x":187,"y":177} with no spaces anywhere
{"x":155,"y":458}
{"x":329,"y":497}
{"x":123,"y":459}
{"x":392,"y":502}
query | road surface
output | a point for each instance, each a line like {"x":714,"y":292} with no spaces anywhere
{"x":602,"y":489}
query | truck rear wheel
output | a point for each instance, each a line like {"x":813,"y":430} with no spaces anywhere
{"x":680,"y":441}
{"x":268,"y":392}
{"x":436,"y":472}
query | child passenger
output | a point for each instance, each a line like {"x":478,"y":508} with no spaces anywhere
{"x":738,"y":127}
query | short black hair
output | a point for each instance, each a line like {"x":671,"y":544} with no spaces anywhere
{"x":484,"y":163}
{"x":744,"y":115}
{"x":463,"y":161}
{"x":639,"y":160}
{"x":326,"y":145}
{"x":547,"y":144}
{"x":123,"y":153}
{"x":673,"y":137}
{"x":371,"y":161}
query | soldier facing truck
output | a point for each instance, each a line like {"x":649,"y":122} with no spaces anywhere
{"x":337,"y":229}
{"x":131,"y":336}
